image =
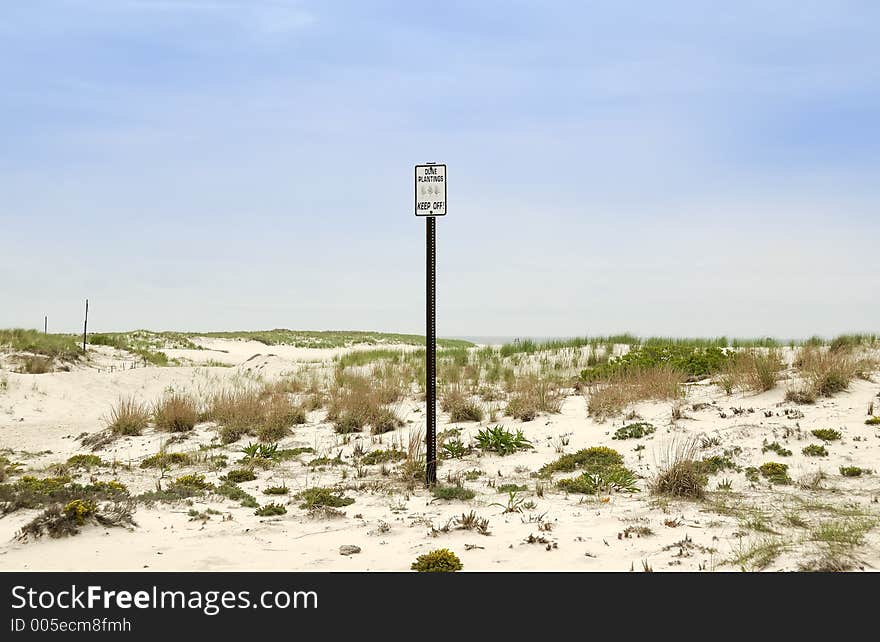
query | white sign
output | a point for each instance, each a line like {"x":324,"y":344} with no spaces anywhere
{"x":431,"y":190}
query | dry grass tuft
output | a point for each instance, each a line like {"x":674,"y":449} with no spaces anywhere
{"x":827,"y":372}
{"x":630,"y":386}
{"x":176,"y":412}
{"x":128,"y":417}
{"x":679,"y":472}
{"x":266,"y":415}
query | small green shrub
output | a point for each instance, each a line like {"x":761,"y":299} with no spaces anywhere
{"x":317,"y":496}
{"x":815,"y":450}
{"x":240,"y":475}
{"x":270,"y":509}
{"x":591,"y":459}
{"x":827,"y":434}
{"x":634,"y":431}
{"x":501,"y":441}
{"x":236,"y":494}
{"x":439,"y":561}
{"x":85,"y":461}
{"x":166,"y":460}
{"x":614,"y":478}
{"x":777,"y":448}
{"x":511,"y":488}
{"x":453,"y":492}
{"x":194,"y":481}
{"x":454,"y":449}
{"x":717,"y":463}
{"x":853,"y":471}
{"x":873,"y":421}
{"x":276,"y":490}
{"x":775,"y":473}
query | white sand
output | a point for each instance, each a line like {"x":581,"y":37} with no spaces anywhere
{"x":48,"y":412}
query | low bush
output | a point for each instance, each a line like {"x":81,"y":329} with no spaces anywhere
{"x":176,"y":412}
{"x":634,"y":431}
{"x":128,"y":417}
{"x":815,"y":450}
{"x":501,"y":441}
{"x":270,"y":510}
{"x":439,"y":561}
{"x":775,"y":473}
{"x":453,"y":492}
{"x":826,"y":434}
{"x":592,"y":459}
{"x":317,"y":496}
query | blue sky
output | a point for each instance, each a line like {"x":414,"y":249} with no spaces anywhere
{"x":693,"y":168}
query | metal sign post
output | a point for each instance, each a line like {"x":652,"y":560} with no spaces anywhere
{"x":430,"y":188}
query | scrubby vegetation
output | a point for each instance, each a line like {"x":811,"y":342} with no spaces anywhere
{"x":501,"y":441}
{"x":775,"y":473}
{"x":128,"y":417}
{"x":826,"y":434}
{"x":634,"y":431}
{"x":54,"y":346}
{"x":317,"y":497}
{"x":176,"y":412}
{"x":591,"y":459}
{"x":439,"y":561}
{"x":680,"y":474}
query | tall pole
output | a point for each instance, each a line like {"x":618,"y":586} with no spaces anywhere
{"x":46,"y":324}
{"x":431,"y":351}
{"x":86,"y":325}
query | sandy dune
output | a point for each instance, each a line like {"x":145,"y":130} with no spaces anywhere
{"x":42,"y":417}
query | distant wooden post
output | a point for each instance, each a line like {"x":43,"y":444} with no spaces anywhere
{"x":46,"y":325}
{"x":86,"y":325}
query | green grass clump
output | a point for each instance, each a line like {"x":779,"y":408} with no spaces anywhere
{"x":166,"y":460}
{"x":240,"y":475}
{"x":815,"y":450}
{"x":687,"y":359}
{"x":231,"y":491}
{"x":827,"y":434}
{"x":873,"y":421}
{"x":128,"y":417}
{"x":853,"y":471}
{"x":85,"y":461}
{"x":56,"y":346}
{"x":453,"y":492}
{"x":270,"y":510}
{"x":717,"y":463}
{"x":317,"y":497}
{"x":591,"y":459}
{"x":382,"y":456}
{"x":194,"y":481}
{"x":775,"y":473}
{"x":777,"y":448}
{"x":634,"y":431}
{"x":441,"y":560}
{"x":501,"y":441}
{"x":613,"y":478}
{"x":276,"y":490}
{"x":511,"y":488}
